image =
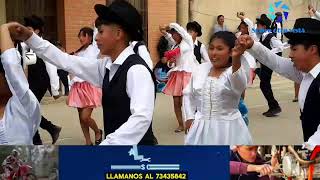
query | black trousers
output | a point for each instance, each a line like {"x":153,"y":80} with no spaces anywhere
{"x":63,"y":75}
{"x":265,"y":75}
{"x":39,"y":92}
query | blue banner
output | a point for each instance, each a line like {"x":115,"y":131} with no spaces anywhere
{"x":144,"y":162}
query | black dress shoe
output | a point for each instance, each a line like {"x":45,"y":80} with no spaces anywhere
{"x":55,"y":134}
{"x":98,"y":141}
{"x":272,"y":112}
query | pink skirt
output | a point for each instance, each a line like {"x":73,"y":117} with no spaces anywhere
{"x":178,"y":80}
{"x":84,"y":95}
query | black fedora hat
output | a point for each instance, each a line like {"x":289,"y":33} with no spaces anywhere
{"x":194,"y":25}
{"x":124,"y":14}
{"x":305,"y":28}
{"x":264,"y":20}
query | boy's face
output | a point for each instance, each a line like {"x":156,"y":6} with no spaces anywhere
{"x":107,"y":38}
{"x":301,"y":56}
{"x":4,"y":88}
{"x":193,"y":33}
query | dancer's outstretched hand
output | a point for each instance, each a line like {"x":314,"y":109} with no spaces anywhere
{"x":19,"y":32}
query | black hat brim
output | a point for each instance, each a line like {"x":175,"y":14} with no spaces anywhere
{"x":106,"y":14}
{"x":294,"y":35}
{"x":260,"y":21}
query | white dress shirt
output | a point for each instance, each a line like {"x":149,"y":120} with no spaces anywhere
{"x":284,"y":66}
{"x":22,"y":113}
{"x":140,"y":86}
{"x":275,"y":43}
{"x":143,"y":53}
{"x":52,"y":72}
{"x":203,"y":52}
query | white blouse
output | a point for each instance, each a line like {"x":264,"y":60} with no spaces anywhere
{"x":91,"y":51}
{"x":228,"y":89}
{"x":22,"y":112}
{"x":187,"y":61}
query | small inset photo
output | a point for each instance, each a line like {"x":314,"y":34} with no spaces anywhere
{"x":29,"y":162}
{"x":273,"y":162}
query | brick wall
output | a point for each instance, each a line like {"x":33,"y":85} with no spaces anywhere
{"x":159,"y":12}
{"x":72,"y":16}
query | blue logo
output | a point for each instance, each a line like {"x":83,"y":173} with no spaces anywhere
{"x":278,"y":6}
{"x":145,"y":163}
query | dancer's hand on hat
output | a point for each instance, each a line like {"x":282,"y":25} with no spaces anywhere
{"x":245,"y":41}
{"x":19,"y":32}
{"x":240,"y":15}
{"x":310,"y":7}
{"x":188,"y":124}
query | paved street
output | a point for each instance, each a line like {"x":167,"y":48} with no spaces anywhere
{"x":284,"y":129}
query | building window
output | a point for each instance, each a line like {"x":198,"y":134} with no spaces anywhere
{"x":142,"y":7}
{"x":16,"y":10}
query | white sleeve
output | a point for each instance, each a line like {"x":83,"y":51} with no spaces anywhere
{"x":251,"y":29}
{"x":145,"y":55}
{"x":238,"y":80}
{"x":188,"y":100}
{"x":314,"y":140}
{"x":19,"y":86}
{"x":281,"y":65}
{"x":54,"y":78}
{"x":316,"y":15}
{"x":276,"y":45}
{"x":171,"y":41}
{"x":204,"y":53}
{"x":88,"y":69}
{"x":184,"y":34}
{"x":140,"y":89}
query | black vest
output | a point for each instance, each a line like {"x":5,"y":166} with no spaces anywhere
{"x":310,"y":117}
{"x":197,"y":51}
{"x":116,"y":102}
{"x":266,"y":42}
{"x":234,"y":156}
{"x":38,"y":76}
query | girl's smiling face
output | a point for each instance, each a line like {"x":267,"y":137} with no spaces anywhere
{"x":219,"y":53}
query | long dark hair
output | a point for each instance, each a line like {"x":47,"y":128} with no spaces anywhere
{"x":85,"y":31}
{"x":162,"y":46}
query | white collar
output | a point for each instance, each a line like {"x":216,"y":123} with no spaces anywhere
{"x":196,"y":42}
{"x":122,"y":57}
{"x":314,"y":72}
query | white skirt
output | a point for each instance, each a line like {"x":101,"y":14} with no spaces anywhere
{"x":219,"y":132}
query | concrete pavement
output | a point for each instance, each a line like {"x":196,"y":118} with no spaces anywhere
{"x":284,"y":129}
